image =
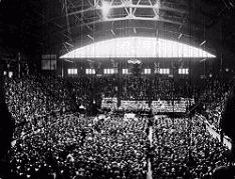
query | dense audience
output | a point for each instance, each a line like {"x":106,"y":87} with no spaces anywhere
{"x":84,"y":147}
{"x":132,"y":87}
{"x":28,"y":102}
{"x":52,"y":141}
{"x":213,"y":98}
{"x":183,"y":148}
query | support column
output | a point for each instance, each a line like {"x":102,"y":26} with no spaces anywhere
{"x":119,"y":84}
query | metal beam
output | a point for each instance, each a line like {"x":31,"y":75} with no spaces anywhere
{"x":113,"y":32}
{"x":132,"y":18}
{"x":67,"y":18}
{"x":90,"y":37}
{"x":80,"y":19}
{"x":134,"y":6}
{"x":201,"y":44}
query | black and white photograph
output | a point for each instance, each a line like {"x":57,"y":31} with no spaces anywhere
{"x":117,"y":89}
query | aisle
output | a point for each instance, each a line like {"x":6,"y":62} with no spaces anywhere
{"x":149,"y":173}
{"x":150,"y":138}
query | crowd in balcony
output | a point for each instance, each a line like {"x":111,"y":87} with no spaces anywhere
{"x":213,"y":98}
{"x":183,"y":148}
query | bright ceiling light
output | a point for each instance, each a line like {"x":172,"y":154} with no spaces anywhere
{"x":105,"y":8}
{"x":157,"y":4}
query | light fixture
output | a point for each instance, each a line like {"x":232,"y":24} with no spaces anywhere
{"x":157,"y":4}
{"x":105,"y":9}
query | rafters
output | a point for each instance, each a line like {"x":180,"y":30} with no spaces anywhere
{"x":133,"y":6}
{"x":87,"y":17}
{"x":121,"y":10}
{"x":133,"y":18}
{"x":129,"y":7}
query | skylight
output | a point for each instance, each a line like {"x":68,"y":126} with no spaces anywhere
{"x":138,"y":47}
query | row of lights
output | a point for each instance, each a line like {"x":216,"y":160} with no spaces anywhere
{"x":166,"y":71}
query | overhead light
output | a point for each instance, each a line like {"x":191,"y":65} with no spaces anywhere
{"x":201,"y":44}
{"x":134,"y":61}
{"x":105,"y":9}
{"x":127,"y":2}
{"x":157,"y":4}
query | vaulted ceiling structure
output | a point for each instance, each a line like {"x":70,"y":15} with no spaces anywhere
{"x":64,"y":25}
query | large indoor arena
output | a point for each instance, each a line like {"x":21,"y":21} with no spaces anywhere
{"x":117,"y":89}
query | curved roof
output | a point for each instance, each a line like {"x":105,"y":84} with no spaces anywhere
{"x":137,"y":47}
{"x":57,"y":27}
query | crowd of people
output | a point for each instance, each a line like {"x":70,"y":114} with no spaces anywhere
{"x":184,"y":148}
{"x":51,"y":140}
{"x":213,"y":98}
{"x":29,"y":101}
{"x":132,"y":87}
{"x":85,"y":147}
{"x":112,"y":147}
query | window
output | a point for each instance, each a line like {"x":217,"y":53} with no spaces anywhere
{"x":110,"y":71}
{"x":125,"y":71}
{"x":49,"y":64}
{"x":165,"y":71}
{"x":90,"y":71}
{"x":183,"y":71}
{"x":73,"y":71}
{"x":138,"y":47}
{"x":4,"y":73}
{"x":147,"y":71}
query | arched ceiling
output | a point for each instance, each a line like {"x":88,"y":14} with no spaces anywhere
{"x":59,"y":26}
{"x":186,"y":21}
{"x":137,"y":47}
{"x":127,"y":17}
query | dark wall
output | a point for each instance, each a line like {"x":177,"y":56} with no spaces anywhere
{"x":6,"y":124}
